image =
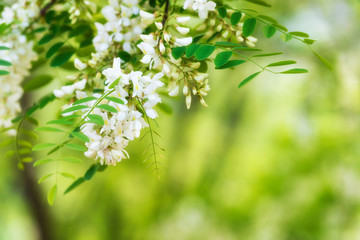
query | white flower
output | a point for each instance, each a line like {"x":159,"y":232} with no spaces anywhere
{"x":147,"y":17}
{"x":159,"y":25}
{"x":113,"y":73}
{"x":183,"y":41}
{"x":201,"y":6}
{"x":183,"y":30}
{"x":79,"y":65}
{"x":182,"y":19}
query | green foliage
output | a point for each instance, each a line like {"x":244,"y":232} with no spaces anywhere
{"x":107,"y":108}
{"x":37,"y":82}
{"x":235,"y":18}
{"x":178,"y":52}
{"x":269,"y":31}
{"x":191,"y":49}
{"x":248,"y":79}
{"x":249,"y":26}
{"x":231,"y":63}
{"x":62,"y":58}
{"x":222,"y":58}
{"x":5,"y":63}
{"x":204,"y":51}
{"x":52,"y":194}
{"x":54,"y":49}
{"x":222,"y":12}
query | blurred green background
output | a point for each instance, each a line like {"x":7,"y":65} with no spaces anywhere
{"x":275,"y":160}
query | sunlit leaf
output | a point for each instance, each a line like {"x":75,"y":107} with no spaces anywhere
{"x":248,"y":79}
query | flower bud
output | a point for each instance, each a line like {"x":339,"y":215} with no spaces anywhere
{"x":188,"y":101}
{"x":194,"y":91}
{"x":159,"y":25}
{"x":185,"y":89}
{"x":202,"y":101}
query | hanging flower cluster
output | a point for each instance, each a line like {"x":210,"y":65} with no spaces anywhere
{"x":155,"y":47}
{"x":18,"y":56}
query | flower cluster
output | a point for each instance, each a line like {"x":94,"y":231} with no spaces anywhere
{"x":135,"y":96}
{"x":20,"y":55}
{"x":201,"y":6}
{"x":120,"y":31}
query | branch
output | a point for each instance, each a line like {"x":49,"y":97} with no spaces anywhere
{"x":46,"y":8}
{"x":166,"y":13}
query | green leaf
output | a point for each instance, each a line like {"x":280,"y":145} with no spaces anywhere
{"x":47,"y":38}
{"x":76,"y":147}
{"x":95,"y":119}
{"x":107,"y":108}
{"x":249,"y":26}
{"x":178,"y":52}
{"x":51,"y":196}
{"x":49,"y":129}
{"x":267,"y":18}
{"x":24,"y":143}
{"x":78,"y":30}
{"x":248,"y":79}
{"x":61,"y":58}
{"x":43,"y":161}
{"x":204,"y":52}
{"x":81,"y":136}
{"x":74,"y":184}
{"x":125,"y":56}
{"x":70,"y":117}
{"x":23,"y":151}
{"x":267,"y":54}
{"x":74,"y":108}
{"x":3,"y":72}
{"x":43,"y":178}
{"x":286,"y":37}
{"x":309,"y":41}
{"x":37,"y":82}
{"x":54,"y":49}
{"x":295,"y":71}
{"x":191,"y":49}
{"x":243,"y":48}
{"x":231,"y":63}
{"x":235,"y":18}
{"x":4,"y":48}
{"x":222,"y":58}
{"x":5,"y":63}
{"x":281,"y":27}
{"x":115,"y":99}
{"x":27,"y":159}
{"x":299,"y":34}
{"x":67,"y":175}
{"x":269,"y":31}
{"x":60,"y":122}
{"x":84,"y":100}
{"x":222,"y":12}
{"x":281,"y":63}
{"x":17,"y":119}
{"x":227,"y":44}
{"x":71,"y":159}
{"x":323,"y":60}
{"x":259,"y":2}
{"x":91,"y":172}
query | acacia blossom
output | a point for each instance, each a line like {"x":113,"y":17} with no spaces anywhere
{"x":138,"y":96}
{"x":20,"y":55}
